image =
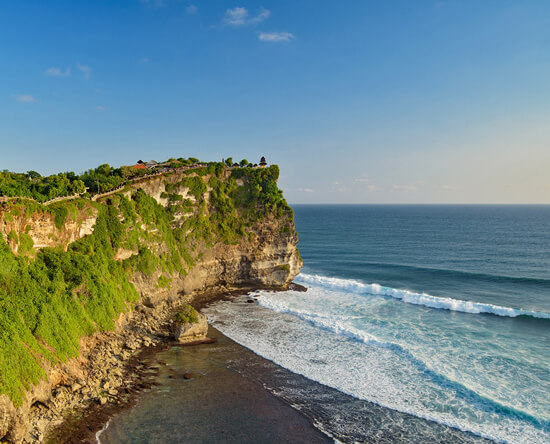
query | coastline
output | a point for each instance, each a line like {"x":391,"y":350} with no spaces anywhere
{"x":225,"y":392}
{"x":111,"y":371}
{"x":121,"y":365}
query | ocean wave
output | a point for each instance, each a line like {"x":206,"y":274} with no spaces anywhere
{"x":514,"y":423}
{"x":338,"y":325}
{"x":444,"y":303}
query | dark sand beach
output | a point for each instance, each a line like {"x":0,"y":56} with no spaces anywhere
{"x":201,"y":397}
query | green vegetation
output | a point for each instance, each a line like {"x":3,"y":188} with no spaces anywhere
{"x":164,"y":282}
{"x":25,"y":244}
{"x":50,"y":298}
{"x":47,"y":304}
{"x":187,"y":315}
{"x":97,"y":180}
{"x":40,"y":188}
{"x":261,"y":195}
{"x":61,"y":212}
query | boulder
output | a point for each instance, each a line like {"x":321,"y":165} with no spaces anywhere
{"x":296,"y":287}
{"x":188,"y":332}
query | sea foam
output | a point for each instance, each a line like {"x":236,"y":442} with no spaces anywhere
{"x":358,"y":287}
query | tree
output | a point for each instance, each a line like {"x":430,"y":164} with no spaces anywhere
{"x":78,"y":187}
{"x":33,"y":174}
{"x":229,"y":161}
{"x":244,"y":163}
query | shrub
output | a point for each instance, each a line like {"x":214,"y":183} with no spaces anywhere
{"x":187,"y":314}
{"x":61,"y":213}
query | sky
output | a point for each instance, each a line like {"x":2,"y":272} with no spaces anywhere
{"x":373,"y":101}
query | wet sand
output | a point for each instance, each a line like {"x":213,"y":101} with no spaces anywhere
{"x":200,"y":397}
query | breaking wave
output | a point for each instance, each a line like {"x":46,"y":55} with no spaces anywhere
{"x":358,"y":287}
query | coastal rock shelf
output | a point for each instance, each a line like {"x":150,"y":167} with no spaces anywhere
{"x":93,"y":275}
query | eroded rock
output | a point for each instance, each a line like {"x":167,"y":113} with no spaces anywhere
{"x":188,"y":332}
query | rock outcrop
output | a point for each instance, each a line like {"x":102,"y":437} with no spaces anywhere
{"x":192,"y":332}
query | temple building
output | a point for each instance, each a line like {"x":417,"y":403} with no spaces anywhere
{"x":263,"y":163}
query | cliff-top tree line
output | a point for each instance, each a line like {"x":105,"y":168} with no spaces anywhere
{"x":101,"y":179}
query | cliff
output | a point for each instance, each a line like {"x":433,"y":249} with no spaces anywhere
{"x":79,"y":268}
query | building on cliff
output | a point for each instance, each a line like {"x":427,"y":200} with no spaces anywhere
{"x":263,"y":163}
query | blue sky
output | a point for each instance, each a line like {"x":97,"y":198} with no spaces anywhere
{"x":358,"y":102}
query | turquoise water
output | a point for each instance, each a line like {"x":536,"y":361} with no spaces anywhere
{"x":441,"y":312}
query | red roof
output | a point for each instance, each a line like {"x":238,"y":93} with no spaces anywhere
{"x":140,"y":166}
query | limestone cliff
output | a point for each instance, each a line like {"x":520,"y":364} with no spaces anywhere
{"x":160,"y":239}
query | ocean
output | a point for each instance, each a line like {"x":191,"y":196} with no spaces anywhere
{"x":434,"y":316}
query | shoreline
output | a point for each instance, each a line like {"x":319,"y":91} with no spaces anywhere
{"x":201,"y":395}
{"x":145,"y":370}
{"x":129,"y":353}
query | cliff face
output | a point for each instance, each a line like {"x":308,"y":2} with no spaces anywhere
{"x":41,"y":227}
{"x":161,"y":239}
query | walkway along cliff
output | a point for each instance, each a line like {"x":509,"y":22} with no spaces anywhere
{"x":77,"y":268}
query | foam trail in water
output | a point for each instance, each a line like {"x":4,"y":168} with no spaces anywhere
{"x":98,"y":434}
{"x":411,"y":297}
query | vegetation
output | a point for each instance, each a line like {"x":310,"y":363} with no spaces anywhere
{"x":48,"y":303}
{"x":97,"y":180}
{"x":50,"y":298}
{"x":261,"y":194}
{"x":187,"y":315}
{"x":34,"y":186}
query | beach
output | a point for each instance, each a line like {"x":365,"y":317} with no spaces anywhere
{"x":200,"y":396}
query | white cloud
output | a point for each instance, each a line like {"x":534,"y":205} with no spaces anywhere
{"x":406,"y":188}
{"x":144,"y":60}
{"x":306,"y":190}
{"x":276,"y":36}
{"x":409,"y":188}
{"x":100,"y":108}
{"x":450,"y":188}
{"x":57,"y":72}
{"x":25,"y":98}
{"x":239,"y":16}
{"x":191,"y":9}
{"x":86,"y":70}
{"x":365,"y":181}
